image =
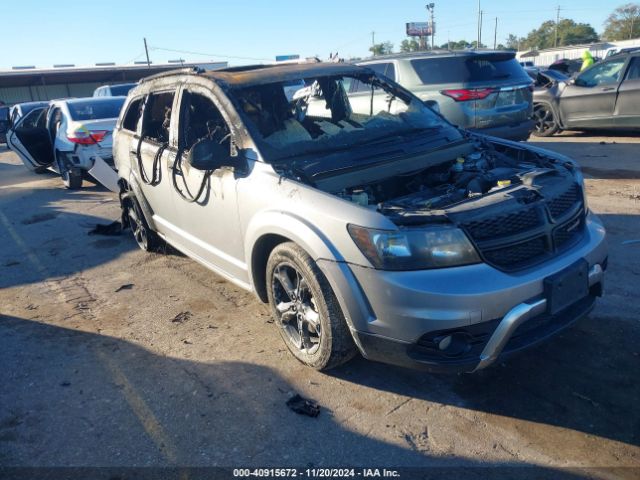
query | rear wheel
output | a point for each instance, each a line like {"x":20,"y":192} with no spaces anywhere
{"x":71,"y":177}
{"x":146,"y":238}
{"x":545,"y":119}
{"x":306,"y":310}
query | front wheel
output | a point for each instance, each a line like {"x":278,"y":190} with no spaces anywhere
{"x":306,"y":310}
{"x":545,"y":119}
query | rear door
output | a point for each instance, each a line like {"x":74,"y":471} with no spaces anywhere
{"x":30,"y":139}
{"x":589,"y":101}
{"x":627,"y":111}
{"x":152,"y":153}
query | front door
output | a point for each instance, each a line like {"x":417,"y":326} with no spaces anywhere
{"x":627,"y":113}
{"x":206,"y":201}
{"x":589,"y":101}
{"x":30,"y":139}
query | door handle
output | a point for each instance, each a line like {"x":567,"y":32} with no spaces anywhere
{"x":608,"y":89}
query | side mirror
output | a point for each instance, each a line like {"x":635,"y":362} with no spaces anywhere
{"x":208,"y":154}
{"x":433,"y":105}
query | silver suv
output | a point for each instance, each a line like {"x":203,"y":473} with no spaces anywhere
{"x":367,"y":226}
{"x":485,"y":91}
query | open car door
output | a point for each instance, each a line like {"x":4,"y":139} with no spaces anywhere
{"x":30,"y":139}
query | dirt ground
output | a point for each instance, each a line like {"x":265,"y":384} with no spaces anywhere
{"x":184,"y":369}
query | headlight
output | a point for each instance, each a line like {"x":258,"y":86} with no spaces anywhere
{"x":414,"y":249}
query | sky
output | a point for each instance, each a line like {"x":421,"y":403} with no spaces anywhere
{"x":45,"y":32}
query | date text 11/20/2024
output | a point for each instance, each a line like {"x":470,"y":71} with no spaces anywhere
{"x":316,"y":472}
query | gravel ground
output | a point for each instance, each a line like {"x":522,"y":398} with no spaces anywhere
{"x":185,"y":369}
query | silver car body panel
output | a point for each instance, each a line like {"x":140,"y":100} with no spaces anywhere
{"x":246,"y":207}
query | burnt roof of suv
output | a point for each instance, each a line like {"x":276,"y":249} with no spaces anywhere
{"x":249,"y":75}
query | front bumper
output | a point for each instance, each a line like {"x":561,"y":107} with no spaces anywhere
{"x":519,"y":131}
{"x":394,"y":315}
{"x":525,"y":325}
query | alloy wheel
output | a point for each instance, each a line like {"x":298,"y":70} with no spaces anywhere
{"x":296,"y":308}
{"x":138,"y":228}
{"x":545,"y":120}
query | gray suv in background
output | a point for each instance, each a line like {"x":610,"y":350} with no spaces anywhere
{"x":370,"y":226}
{"x":484,"y":91}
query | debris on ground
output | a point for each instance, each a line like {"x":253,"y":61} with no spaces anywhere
{"x":111,"y":229}
{"x":126,"y":286}
{"x":182,"y":317}
{"x":302,"y":406}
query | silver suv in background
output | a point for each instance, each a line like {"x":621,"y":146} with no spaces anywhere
{"x":119,"y":90}
{"x":367,"y":226}
{"x":484,"y":91}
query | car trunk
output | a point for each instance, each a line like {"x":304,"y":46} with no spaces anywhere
{"x":103,"y":147}
{"x":507,"y":105}
{"x":491,"y":89}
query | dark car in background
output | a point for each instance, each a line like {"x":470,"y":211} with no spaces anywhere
{"x":604,"y":96}
{"x":4,"y":123}
{"x":485,"y":91}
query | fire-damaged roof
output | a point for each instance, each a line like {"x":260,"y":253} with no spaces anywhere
{"x":264,"y":74}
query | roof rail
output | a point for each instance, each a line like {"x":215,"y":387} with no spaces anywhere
{"x":177,"y":71}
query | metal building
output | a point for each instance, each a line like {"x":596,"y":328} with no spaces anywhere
{"x":28,"y":83}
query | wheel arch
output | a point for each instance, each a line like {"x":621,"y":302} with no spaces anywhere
{"x":554,"y":108}
{"x":273,"y":228}
{"x":131,"y":187}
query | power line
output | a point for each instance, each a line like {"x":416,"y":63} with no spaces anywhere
{"x":190,"y":52}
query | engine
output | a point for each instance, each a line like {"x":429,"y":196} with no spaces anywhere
{"x":463,"y":179}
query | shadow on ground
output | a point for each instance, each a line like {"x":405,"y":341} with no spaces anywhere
{"x":103,"y":401}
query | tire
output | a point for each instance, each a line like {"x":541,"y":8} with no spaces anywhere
{"x":71,"y":177}
{"x":147,"y":239}
{"x":306,"y":310}
{"x":546,"y":121}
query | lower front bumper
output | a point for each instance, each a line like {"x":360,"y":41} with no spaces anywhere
{"x":517,"y":132}
{"x":525,"y":325}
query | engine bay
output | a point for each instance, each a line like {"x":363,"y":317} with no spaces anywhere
{"x":466,"y":182}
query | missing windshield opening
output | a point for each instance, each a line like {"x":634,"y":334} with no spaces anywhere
{"x":325,"y":113}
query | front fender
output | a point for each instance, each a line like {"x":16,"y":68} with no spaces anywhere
{"x":292,"y":227}
{"x":317,"y":244}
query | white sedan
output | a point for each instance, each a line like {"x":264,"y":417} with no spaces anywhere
{"x":72,"y":136}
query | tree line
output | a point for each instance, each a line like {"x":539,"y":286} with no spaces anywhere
{"x":622,"y":24}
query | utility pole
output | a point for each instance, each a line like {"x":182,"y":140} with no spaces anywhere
{"x":495,"y":35}
{"x":146,"y":50}
{"x":430,"y":8}
{"x":631,"y":32}
{"x":373,"y":39}
{"x":555,"y":42}
{"x":479,"y":23}
{"x":480,"y":31}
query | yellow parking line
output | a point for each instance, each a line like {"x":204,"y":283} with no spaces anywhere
{"x":145,"y":416}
